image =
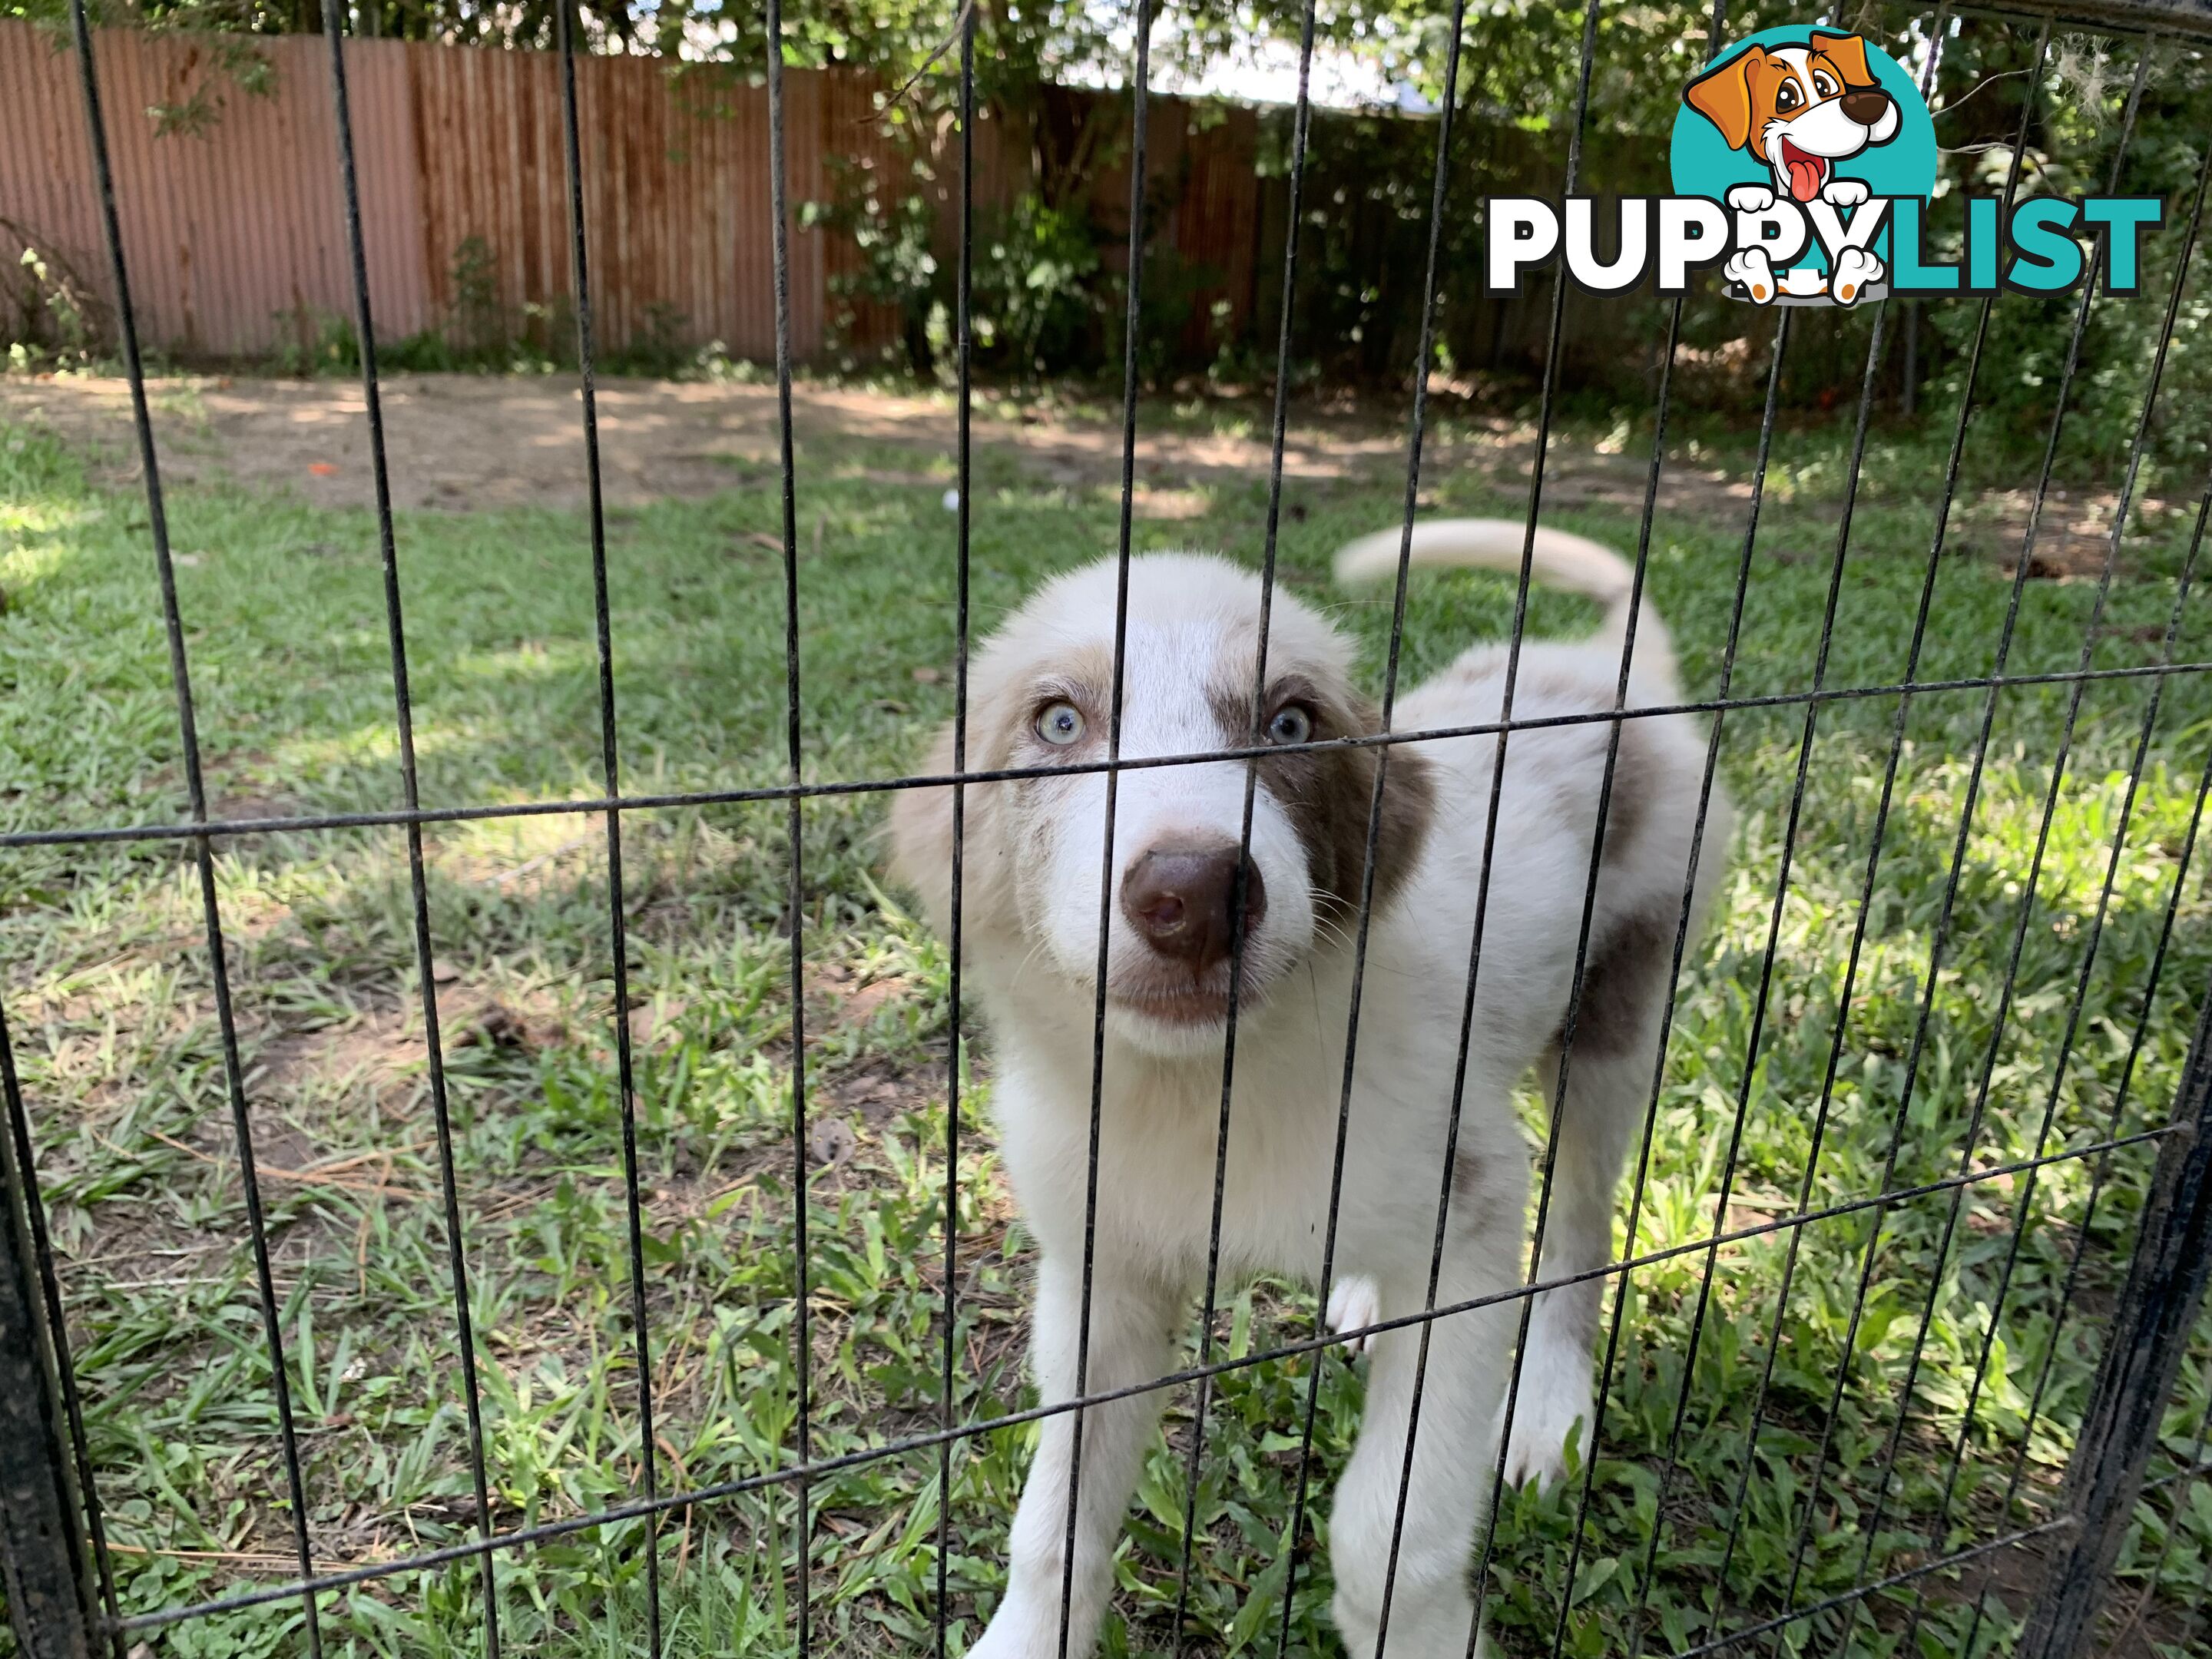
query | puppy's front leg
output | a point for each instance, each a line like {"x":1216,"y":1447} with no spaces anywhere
{"x":1131,"y":1330}
{"x":1401,"y":1589}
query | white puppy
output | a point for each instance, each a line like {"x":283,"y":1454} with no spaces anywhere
{"x":1036,"y":850}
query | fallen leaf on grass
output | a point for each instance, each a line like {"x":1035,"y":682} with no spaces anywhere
{"x":864,"y":1003}
{"x":649,"y":1017}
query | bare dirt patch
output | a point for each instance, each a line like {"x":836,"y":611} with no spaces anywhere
{"x":463,"y":441}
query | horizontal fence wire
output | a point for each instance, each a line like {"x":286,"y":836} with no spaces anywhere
{"x":202,"y":833}
{"x":306,"y":822}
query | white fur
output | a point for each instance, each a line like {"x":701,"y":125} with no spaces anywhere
{"x":1034,"y":852}
{"x":1354,"y":1304}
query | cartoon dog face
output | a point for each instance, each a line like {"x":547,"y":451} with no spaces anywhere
{"x":1799,"y":109}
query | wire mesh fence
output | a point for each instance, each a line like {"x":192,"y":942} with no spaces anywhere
{"x":1896,"y":1349}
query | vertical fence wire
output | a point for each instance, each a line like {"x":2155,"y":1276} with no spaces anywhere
{"x":1501,"y":1452}
{"x":2100,"y":1166}
{"x":1760,"y":1001}
{"x":1864,"y":911}
{"x":1458,"y":1090}
{"x":1807,"y":738}
{"x":1300,"y":121}
{"x":49,"y":1294}
{"x":1762,"y":458}
{"x":202,"y":850}
{"x":1416,"y":431}
{"x":2185,"y":1477}
{"x":1771,"y":953}
{"x":965,"y":342}
{"x":418,"y":887}
{"x":1593,"y":1430}
{"x":802,"y":1321}
{"x":1139,"y":92}
{"x":611,"y":770}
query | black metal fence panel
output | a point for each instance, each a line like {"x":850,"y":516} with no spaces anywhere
{"x":1900,"y":1541}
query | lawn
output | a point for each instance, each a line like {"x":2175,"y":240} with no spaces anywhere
{"x":105,"y":984}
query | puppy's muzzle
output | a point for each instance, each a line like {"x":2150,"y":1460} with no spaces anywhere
{"x":1183,"y":902}
{"x":1865,"y":105}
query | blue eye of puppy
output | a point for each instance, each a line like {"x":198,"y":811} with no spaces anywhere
{"x":1292,"y":724}
{"x":1059,"y":723}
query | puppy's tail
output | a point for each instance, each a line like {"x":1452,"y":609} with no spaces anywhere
{"x":1574,"y":564}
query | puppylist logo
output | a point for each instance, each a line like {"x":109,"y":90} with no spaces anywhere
{"x":1803,"y":164}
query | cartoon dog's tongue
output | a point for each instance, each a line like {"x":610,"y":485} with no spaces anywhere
{"x":1806,"y":172}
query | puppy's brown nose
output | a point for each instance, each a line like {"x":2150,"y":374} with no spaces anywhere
{"x":1865,"y":105}
{"x":1180,"y":900}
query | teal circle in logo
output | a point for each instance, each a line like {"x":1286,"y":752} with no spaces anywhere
{"x":1743,"y":116}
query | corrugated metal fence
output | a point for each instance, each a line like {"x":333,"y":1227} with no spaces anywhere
{"x":228,"y":187}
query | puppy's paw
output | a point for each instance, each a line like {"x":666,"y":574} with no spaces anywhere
{"x":1844,"y":193}
{"x":1549,"y":1413}
{"x":1855,"y":270}
{"x":1354,"y":1304}
{"x":1750,"y":199}
{"x":1010,"y":1636}
{"x":1750,"y":270}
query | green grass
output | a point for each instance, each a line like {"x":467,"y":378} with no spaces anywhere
{"x":106,"y":991}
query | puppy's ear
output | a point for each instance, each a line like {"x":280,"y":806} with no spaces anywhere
{"x":1722,"y":95}
{"x":921,"y":836}
{"x":1409,"y":799}
{"x":1848,"y":54}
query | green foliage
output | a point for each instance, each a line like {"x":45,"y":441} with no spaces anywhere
{"x":54,"y":318}
{"x":1041,"y":296}
{"x":1038,"y":293}
{"x":482,"y":334}
{"x":898,"y":269}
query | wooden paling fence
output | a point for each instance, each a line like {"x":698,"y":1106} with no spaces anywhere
{"x":232,"y":226}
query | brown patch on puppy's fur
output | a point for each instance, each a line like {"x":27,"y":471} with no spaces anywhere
{"x":1629,"y":803}
{"x":1329,"y":794}
{"x":1468,"y":1173}
{"x":1620,"y":982}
